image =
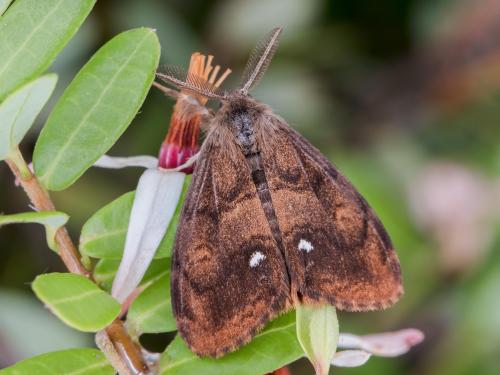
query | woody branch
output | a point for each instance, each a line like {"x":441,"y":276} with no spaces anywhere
{"x":119,"y":348}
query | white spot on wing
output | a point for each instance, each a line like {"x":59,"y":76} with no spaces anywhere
{"x":256,"y":258}
{"x":305,"y":245}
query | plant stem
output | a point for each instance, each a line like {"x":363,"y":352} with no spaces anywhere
{"x":104,"y":343}
{"x":123,"y":353}
{"x":126,"y":348}
{"x":42,"y":202}
{"x":16,"y":158}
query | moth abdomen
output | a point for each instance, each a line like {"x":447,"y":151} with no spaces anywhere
{"x":254,"y":162}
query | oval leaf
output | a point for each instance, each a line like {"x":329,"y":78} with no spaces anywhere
{"x":19,"y":110}
{"x":272,"y":348}
{"x":105,"y":271}
{"x":76,"y":300}
{"x":32,"y":33}
{"x":96,"y":107}
{"x":151,"y":312}
{"x":52,"y":220}
{"x":318,"y":334}
{"x":67,"y":362}
{"x":103,"y":235}
{"x":165,"y":248}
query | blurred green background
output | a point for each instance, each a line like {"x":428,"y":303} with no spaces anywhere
{"x":403,"y":96}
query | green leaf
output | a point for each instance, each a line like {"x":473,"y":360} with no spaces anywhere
{"x":103,"y":235}
{"x":318,"y":334}
{"x":32,"y":32}
{"x":52,"y":220}
{"x":272,"y":348}
{"x":3,"y":5}
{"x":166,"y":246}
{"x":105,"y":271}
{"x":67,"y":362}
{"x":96,"y":108}
{"x":19,"y":110}
{"x":76,"y":300}
{"x":151,"y":312}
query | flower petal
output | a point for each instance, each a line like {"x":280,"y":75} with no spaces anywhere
{"x":350,"y":358}
{"x":156,"y":198}
{"x":390,"y":344}
{"x":113,"y":162}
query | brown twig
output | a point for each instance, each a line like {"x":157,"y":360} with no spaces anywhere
{"x":129,"y":353}
{"x":105,"y":344}
{"x":121,"y":351}
{"x":42,"y":202}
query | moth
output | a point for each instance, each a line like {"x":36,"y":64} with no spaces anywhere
{"x":268,"y":223}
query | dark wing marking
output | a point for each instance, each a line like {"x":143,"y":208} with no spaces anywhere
{"x":335,"y":245}
{"x":228,"y":276}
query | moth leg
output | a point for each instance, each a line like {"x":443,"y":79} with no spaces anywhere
{"x":185,"y":165}
{"x":206,"y":119}
{"x":166,"y":90}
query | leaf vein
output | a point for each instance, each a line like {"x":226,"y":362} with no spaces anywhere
{"x":111,"y":233}
{"x":73,"y":134}
{"x":74,"y":298}
{"x":146,"y":314}
{"x":30,"y":36}
{"x":102,"y":363}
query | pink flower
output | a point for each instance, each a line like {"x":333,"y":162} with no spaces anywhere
{"x":181,"y":142}
{"x":361,"y":348}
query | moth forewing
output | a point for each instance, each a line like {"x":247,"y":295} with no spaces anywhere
{"x":228,"y":276}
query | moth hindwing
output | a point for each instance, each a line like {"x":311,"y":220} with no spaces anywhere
{"x":269,"y":222}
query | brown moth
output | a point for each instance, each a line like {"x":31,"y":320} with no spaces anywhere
{"x":268,"y":223}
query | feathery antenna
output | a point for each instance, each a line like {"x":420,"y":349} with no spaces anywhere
{"x":259,"y":60}
{"x":201,"y":79}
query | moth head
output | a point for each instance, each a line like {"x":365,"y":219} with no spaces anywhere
{"x":205,"y":85}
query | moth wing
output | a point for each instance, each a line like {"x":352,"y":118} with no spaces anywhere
{"x":228,"y":276}
{"x":336,"y":248}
